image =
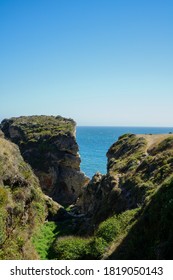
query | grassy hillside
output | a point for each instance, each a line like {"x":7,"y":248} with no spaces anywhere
{"x":22,"y":204}
{"x":152,"y":235}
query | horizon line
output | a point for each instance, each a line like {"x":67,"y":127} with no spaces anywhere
{"x":133,"y":126}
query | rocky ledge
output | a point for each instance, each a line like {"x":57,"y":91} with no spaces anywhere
{"x":49,"y":145}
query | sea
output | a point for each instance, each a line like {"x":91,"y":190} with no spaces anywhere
{"x":94,"y":142}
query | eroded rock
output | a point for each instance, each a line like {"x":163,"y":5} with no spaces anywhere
{"x":49,"y":145}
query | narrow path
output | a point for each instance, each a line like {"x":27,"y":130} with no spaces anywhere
{"x":154,"y":139}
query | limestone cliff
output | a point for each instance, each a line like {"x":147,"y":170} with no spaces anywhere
{"x":49,"y":145}
{"x":137,"y":165}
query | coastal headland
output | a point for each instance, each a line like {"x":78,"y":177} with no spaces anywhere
{"x":49,"y":209}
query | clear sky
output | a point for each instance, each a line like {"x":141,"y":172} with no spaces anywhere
{"x":100,"y":62}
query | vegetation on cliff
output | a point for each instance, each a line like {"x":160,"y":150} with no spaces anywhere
{"x":137,"y":166}
{"x":125,"y":214}
{"x":22,"y":204}
{"x":151,"y":237}
{"x":36,"y":127}
{"x":139,"y":180}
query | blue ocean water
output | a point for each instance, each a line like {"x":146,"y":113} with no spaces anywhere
{"x":94,"y":143}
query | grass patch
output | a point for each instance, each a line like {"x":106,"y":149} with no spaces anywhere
{"x":44,"y":238}
{"x":94,"y":247}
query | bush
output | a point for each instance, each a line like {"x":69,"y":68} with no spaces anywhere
{"x":112,"y":227}
{"x":109,"y":229}
{"x":71,"y":248}
{"x":97,"y":247}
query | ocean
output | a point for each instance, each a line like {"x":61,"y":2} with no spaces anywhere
{"x":94,"y":143}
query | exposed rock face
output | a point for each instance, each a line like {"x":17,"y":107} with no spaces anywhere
{"x":137,"y":165}
{"x":49,"y":145}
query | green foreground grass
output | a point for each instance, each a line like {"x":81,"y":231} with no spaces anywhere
{"x":44,"y":238}
{"x":56,"y":242}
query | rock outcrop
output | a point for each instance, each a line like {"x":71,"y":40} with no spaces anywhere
{"x":137,"y":165}
{"x":49,"y":145}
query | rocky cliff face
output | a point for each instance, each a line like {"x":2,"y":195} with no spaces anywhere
{"x":49,"y":145}
{"x":137,"y":165}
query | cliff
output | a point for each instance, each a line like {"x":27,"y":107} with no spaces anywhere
{"x":125,"y":214}
{"x":49,"y":145}
{"x":22,"y":204}
{"x":129,"y":210}
{"x":137,"y":165}
{"x":128,"y":213}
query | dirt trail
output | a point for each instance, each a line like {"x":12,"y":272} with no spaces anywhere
{"x":154,"y":139}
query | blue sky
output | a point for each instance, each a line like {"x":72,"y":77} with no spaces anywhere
{"x":100,"y":62}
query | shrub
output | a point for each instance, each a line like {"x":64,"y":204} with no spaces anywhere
{"x":97,"y":247}
{"x":109,"y":229}
{"x":71,"y":248}
{"x":112,"y":227}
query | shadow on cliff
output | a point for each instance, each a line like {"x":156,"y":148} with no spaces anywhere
{"x":152,"y":235}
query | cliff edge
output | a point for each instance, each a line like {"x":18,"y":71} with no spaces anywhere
{"x":137,"y":166}
{"x":49,"y":145}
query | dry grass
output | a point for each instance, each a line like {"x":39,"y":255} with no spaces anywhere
{"x":9,"y":154}
{"x":154,"y":139}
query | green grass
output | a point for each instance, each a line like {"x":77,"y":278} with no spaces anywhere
{"x":44,"y":238}
{"x":34,"y":127}
{"x":93,"y":247}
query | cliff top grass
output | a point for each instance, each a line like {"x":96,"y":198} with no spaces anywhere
{"x":137,"y":145}
{"x":34,"y":127}
{"x":10,"y":159}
